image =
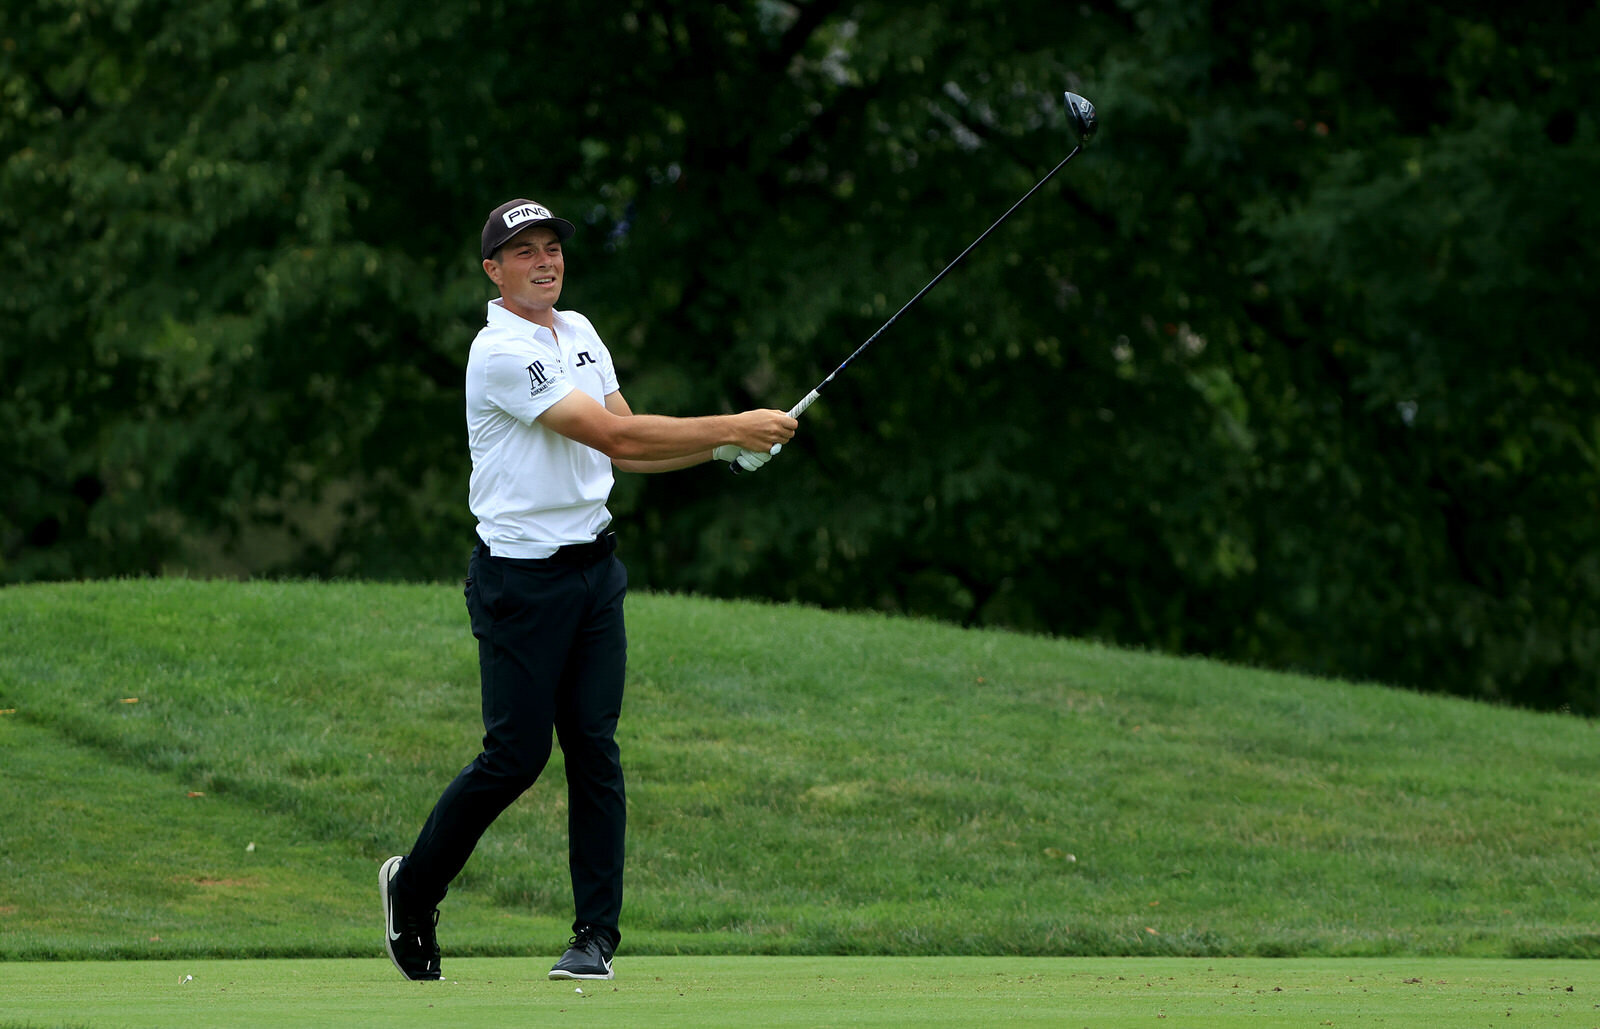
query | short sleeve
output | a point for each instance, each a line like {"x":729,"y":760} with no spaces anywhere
{"x":525,"y":381}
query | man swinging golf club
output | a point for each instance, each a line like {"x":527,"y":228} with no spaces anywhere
{"x":546,"y":425}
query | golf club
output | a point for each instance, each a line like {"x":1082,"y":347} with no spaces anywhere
{"x":1084,"y":123}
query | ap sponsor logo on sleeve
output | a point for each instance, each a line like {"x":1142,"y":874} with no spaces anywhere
{"x":539,"y":380}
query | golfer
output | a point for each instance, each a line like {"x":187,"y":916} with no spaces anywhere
{"x":546,"y":424}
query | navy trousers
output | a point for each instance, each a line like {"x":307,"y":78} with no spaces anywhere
{"x":552,"y":651}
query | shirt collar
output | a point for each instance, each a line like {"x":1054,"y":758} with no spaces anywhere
{"x":501,"y":318}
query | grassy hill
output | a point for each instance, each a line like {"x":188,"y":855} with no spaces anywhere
{"x":216,"y":769}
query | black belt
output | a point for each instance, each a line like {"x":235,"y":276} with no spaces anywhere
{"x":600,"y":547}
{"x":574,"y":554}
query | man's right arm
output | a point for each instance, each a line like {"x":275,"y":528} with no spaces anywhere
{"x":645,"y":437}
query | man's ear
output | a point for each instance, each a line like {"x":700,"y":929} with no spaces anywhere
{"x":491,"y":268}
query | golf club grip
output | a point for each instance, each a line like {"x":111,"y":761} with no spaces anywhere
{"x":800,"y":408}
{"x":794,"y":412}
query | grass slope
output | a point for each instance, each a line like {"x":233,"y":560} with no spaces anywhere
{"x":216,"y":769}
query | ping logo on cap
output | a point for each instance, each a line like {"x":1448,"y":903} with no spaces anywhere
{"x":527,"y":212}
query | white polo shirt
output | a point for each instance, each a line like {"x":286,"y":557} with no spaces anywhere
{"x":533,"y":489}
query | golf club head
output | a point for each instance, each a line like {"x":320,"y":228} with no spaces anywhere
{"x":1084,"y":120}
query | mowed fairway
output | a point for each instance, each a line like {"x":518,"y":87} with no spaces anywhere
{"x":787,"y":991}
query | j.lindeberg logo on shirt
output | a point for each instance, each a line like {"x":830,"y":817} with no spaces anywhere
{"x":584,"y":358}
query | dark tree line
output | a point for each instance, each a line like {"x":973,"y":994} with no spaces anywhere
{"x":1292,"y":367}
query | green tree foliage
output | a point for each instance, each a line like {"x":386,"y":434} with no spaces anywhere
{"x":1432,"y":293}
{"x":1289,"y":367}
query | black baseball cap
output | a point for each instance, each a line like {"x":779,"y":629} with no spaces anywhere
{"x":513,"y":216}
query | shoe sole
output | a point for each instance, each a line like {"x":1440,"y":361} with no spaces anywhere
{"x":385,"y":874}
{"x":580,"y":975}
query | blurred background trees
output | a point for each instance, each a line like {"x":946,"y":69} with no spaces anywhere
{"x":1292,"y":367}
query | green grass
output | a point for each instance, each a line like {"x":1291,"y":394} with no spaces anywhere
{"x":215,"y":770}
{"x":1061,"y":993}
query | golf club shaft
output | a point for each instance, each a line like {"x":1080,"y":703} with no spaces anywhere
{"x":811,"y":398}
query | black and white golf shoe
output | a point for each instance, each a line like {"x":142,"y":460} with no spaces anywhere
{"x":409,"y":934}
{"x":588,"y":955}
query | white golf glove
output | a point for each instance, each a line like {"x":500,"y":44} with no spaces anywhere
{"x":747,"y":460}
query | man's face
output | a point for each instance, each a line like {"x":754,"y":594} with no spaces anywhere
{"x":529,"y":273}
